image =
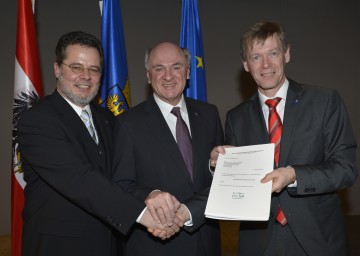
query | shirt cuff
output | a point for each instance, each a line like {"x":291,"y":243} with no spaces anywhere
{"x":188,"y":223}
{"x":140,"y":216}
{"x":294,"y":184}
{"x":211,"y":169}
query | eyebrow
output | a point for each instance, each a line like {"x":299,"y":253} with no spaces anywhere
{"x":162,"y":65}
{"x":157,"y":65}
{"x":78,"y":63}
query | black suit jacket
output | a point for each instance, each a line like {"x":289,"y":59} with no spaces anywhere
{"x":71,"y":205}
{"x":147,"y":158}
{"x":318,"y":141}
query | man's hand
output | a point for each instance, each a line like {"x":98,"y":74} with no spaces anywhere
{"x":215,"y":153}
{"x":164,"y":233}
{"x":162,"y":207}
{"x":281,"y":178}
{"x":182,"y":215}
{"x":157,"y":229}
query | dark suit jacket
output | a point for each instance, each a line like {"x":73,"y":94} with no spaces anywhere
{"x":147,"y":158}
{"x":71,"y":205}
{"x":317,"y":140}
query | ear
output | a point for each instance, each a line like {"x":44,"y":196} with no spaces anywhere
{"x":148,"y":75}
{"x":246,"y":67}
{"x":287,"y":55}
{"x":188,"y":72}
{"x":57,"y":70}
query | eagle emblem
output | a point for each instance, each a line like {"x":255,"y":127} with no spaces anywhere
{"x":114,"y":105}
{"x":22,"y":102}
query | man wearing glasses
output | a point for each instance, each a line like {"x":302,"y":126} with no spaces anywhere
{"x":71,"y":205}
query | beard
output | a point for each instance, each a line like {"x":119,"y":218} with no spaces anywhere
{"x":77,"y":100}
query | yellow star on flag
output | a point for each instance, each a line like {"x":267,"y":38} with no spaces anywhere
{"x":200,"y":62}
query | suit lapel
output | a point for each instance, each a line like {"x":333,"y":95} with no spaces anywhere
{"x":195,"y":120}
{"x":163,"y":135}
{"x":104,"y":129}
{"x":71,"y":119}
{"x":292,"y":108}
{"x":68,"y":114}
{"x":102,"y":126}
{"x":256,"y":118}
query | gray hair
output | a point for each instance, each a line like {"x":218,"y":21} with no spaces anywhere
{"x":185,"y":51}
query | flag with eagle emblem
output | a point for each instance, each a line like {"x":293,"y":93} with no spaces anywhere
{"x":27,"y":90}
{"x":191,"y":38}
{"x":114,"y":92}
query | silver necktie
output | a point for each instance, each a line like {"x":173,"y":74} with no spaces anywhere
{"x":85,"y":117}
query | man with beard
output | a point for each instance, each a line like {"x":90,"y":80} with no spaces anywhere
{"x":71,"y":205}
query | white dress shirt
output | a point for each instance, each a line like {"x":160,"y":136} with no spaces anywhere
{"x":280,"y":108}
{"x":170,"y":118}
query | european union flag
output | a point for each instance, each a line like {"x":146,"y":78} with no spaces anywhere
{"x":190,"y":38}
{"x":115,"y":91}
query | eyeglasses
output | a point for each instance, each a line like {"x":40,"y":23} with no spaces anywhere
{"x":79,"y":68}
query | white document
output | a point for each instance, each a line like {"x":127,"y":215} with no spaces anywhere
{"x":236,"y":192}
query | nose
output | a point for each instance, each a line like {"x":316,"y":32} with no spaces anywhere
{"x":265,"y":62}
{"x":168,"y":75}
{"x":85,"y":74}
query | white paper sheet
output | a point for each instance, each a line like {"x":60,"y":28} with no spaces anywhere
{"x":236,"y":192}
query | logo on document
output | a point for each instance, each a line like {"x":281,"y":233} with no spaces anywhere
{"x":238,"y":195}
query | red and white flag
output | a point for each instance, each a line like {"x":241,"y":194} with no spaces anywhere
{"x":27,"y":90}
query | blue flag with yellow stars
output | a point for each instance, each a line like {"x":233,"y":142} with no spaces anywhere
{"x":114,"y":92}
{"x":190,"y":38}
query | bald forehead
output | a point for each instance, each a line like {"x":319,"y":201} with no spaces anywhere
{"x":165,"y":50}
{"x":166,"y":46}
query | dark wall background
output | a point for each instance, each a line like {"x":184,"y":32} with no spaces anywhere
{"x":324,"y":37}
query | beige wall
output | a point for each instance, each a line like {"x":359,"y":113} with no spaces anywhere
{"x":324,"y":36}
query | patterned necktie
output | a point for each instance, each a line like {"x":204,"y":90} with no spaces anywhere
{"x":275,"y":126}
{"x":183,"y":140}
{"x":275,"y":130}
{"x":85,"y":117}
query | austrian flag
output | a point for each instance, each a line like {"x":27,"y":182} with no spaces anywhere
{"x":27,"y":90}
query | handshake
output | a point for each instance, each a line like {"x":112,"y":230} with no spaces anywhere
{"x":164,"y":214}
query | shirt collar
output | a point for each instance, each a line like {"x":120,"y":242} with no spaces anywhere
{"x":282,"y":92}
{"x":166,"y":108}
{"x":77,"y":108}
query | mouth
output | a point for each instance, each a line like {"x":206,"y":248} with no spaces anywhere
{"x":169,"y":85}
{"x":83,"y":86}
{"x":267,"y":74}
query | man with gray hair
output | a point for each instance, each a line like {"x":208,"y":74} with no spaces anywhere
{"x":163,"y":144}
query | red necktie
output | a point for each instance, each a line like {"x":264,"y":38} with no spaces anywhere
{"x":275,"y":126}
{"x":183,"y":140}
{"x":275,"y":129}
